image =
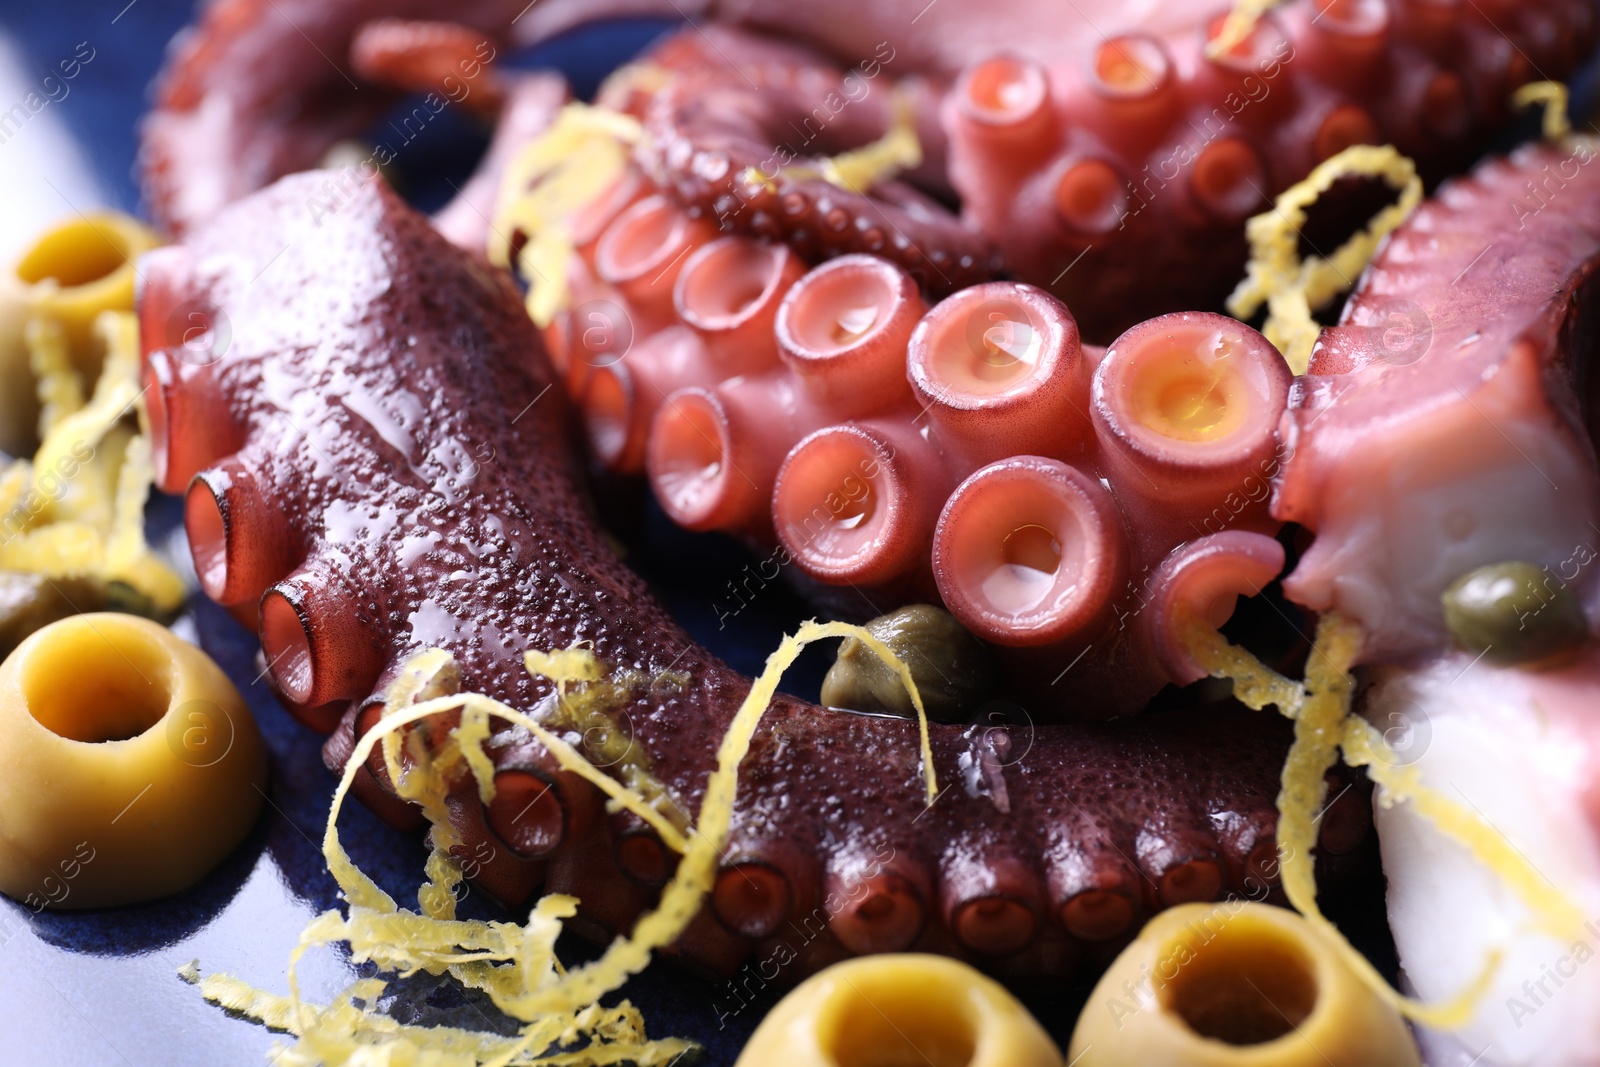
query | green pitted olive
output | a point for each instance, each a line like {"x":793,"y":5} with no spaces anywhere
{"x":30,"y":602}
{"x":1513,"y":613}
{"x":952,"y":669}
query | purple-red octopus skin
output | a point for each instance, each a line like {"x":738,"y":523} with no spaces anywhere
{"x":1094,"y":146}
{"x":379,"y":460}
{"x":1447,"y":420}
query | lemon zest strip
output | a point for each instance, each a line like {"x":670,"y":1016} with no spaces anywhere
{"x":1554,"y":912}
{"x":1238,"y":26}
{"x":59,"y":387}
{"x":587,"y":149}
{"x":1553,"y":95}
{"x":515,"y":965}
{"x":859,"y":169}
{"x":1324,"y":725}
{"x":1292,"y":289}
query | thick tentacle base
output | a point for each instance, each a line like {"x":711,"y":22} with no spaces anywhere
{"x":375,"y":461}
{"x":1442,"y":427}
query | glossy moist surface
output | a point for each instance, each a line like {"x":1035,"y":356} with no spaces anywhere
{"x":388,"y":401}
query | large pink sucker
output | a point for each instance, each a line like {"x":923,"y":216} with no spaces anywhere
{"x":1446,"y":408}
{"x":402,"y":480}
{"x":833,"y":413}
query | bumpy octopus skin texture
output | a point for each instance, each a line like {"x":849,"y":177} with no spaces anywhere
{"x":1096,"y":146}
{"x":1443,"y":425}
{"x":380,"y":453}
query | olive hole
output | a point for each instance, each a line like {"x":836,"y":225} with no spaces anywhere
{"x":124,"y":695}
{"x":879,"y":1024}
{"x":1241,"y":986}
{"x":77,"y":254}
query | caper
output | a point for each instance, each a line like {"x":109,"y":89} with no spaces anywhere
{"x":30,"y":602}
{"x":1513,"y":613}
{"x":952,"y":668}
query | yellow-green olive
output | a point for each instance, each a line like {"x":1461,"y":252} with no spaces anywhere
{"x":71,"y":274}
{"x":1513,"y":613}
{"x":900,"y":1011}
{"x":129,"y":764}
{"x":1237,"y":984}
{"x":952,"y":669}
{"x":29,"y":602}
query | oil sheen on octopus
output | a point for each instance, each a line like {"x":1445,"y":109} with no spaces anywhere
{"x":1092,"y":146}
{"x":378,"y":460}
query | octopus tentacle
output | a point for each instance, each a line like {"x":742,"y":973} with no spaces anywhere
{"x":367,"y":415}
{"x":1447,"y":407}
{"x":1141,"y":155}
{"x":744,"y":147}
{"x":256,"y":91}
{"x":829,"y":413}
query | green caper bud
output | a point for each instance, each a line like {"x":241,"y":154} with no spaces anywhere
{"x":1513,"y":613}
{"x":952,"y":668}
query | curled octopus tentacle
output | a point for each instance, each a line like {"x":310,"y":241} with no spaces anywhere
{"x":1063,"y":500}
{"x":377,"y":462}
{"x":1447,"y":428}
{"x":1090,"y":162}
{"x":257,"y":90}
{"x":1141,"y":156}
{"x":745,"y":143}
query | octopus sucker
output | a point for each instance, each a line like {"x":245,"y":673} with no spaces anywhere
{"x":519,"y":563}
{"x":825,"y":414}
{"x":1087,"y":153}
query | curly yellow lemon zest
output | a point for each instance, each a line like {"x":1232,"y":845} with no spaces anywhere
{"x":585,"y":710}
{"x":859,"y":169}
{"x":1554,"y":912}
{"x":506,"y":960}
{"x":1554,"y":96}
{"x":585,"y":151}
{"x":91,"y":475}
{"x":1255,"y":685}
{"x":1238,"y":26}
{"x":1317,"y":732}
{"x":59,"y":387}
{"x":514,"y":964}
{"x":565,"y":666}
{"x":1324,"y":725}
{"x":1292,"y":289}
